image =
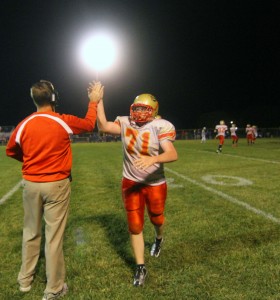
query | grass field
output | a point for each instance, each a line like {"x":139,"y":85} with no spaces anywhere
{"x":222,"y":234}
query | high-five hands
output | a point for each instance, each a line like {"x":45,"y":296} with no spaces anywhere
{"x":95,"y":91}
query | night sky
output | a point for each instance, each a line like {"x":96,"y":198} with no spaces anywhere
{"x":204,"y":60}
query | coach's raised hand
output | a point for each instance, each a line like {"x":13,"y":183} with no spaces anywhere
{"x":95,"y":91}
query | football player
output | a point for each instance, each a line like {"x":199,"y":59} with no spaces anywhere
{"x":203,"y":135}
{"x":233,"y":135}
{"x":255,"y":133}
{"x":147,"y":144}
{"x":249,"y":134}
{"x":221,"y":130}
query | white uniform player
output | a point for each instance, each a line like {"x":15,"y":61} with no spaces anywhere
{"x":203,"y":135}
{"x":233,"y":135}
{"x":147,"y":144}
{"x":221,"y":130}
{"x":249,"y":134}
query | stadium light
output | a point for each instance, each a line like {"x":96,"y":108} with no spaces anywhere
{"x":98,"y":51}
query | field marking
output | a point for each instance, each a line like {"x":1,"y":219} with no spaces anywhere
{"x":11,"y":192}
{"x":244,"y":157}
{"x":236,"y":181}
{"x":256,"y":159}
{"x":170,"y":182}
{"x":79,"y":236}
{"x":227,"y":197}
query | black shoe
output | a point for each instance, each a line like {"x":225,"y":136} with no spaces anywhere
{"x":140,"y":275}
{"x":156,"y":247}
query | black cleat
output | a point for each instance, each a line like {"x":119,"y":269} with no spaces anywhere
{"x":155,"y":251}
{"x":140,"y":275}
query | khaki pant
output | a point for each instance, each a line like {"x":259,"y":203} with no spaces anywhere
{"x":51,"y":200}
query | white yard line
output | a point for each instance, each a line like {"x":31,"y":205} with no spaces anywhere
{"x":244,"y":157}
{"x":227,"y":197}
{"x":79,"y":236}
{"x":256,"y":159}
{"x":10,"y":193}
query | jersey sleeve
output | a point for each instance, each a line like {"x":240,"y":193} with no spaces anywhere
{"x":118,"y":121}
{"x":166,"y":131}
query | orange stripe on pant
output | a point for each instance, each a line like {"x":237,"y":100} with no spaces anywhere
{"x":136,"y":196}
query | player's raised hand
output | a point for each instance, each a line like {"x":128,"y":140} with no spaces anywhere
{"x":95,"y":91}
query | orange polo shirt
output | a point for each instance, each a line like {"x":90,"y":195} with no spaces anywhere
{"x":41,"y":141}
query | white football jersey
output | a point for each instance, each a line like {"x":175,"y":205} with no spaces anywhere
{"x":144,"y":140}
{"x":249,"y":130}
{"x":233,"y":130}
{"x":221,"y":129}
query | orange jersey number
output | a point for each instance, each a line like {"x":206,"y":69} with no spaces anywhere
{"x":132,"y":134}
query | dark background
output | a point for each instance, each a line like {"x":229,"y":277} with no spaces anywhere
{"x":203,"y":60}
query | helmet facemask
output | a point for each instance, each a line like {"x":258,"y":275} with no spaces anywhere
{"x":141,"y":113}
{"x":144,"y":108}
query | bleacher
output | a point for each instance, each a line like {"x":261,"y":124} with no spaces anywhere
{"x":5,"y":132}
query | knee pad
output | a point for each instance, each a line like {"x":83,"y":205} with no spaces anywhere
{"x":157,"y":219}
{"x":135,"y":228}
{"x":135,"y":222}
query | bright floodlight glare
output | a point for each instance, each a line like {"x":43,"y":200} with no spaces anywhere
{"x":98,"y":52}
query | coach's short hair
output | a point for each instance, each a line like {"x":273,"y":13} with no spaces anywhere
{"x":41,"y":93}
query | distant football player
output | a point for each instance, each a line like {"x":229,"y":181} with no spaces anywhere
{"x":249,"y":134}
{"x":147,"y":144}
{"x":233,"y":135}
{"x":220,"y":131}
{"x":203,"y":135}
{"x":255,"y":133}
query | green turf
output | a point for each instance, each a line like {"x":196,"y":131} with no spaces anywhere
{"x":222,"y":240}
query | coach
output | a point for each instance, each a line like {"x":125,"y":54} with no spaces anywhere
{"x":42,"y":143}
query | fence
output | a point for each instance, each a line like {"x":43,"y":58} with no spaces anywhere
{"x":181,"y":134}
{"x":195,"y":134}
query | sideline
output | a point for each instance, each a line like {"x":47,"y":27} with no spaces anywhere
{"x":10,"y":193}
{"x":227,"y":197}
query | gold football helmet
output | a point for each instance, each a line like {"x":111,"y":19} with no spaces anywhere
{"x":144,"y":108}
{"x":222,"y":122}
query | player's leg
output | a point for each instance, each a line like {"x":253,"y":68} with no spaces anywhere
{"x":155,"y":200}
{"x":135,"y":206}
{"x":221,"y":142}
